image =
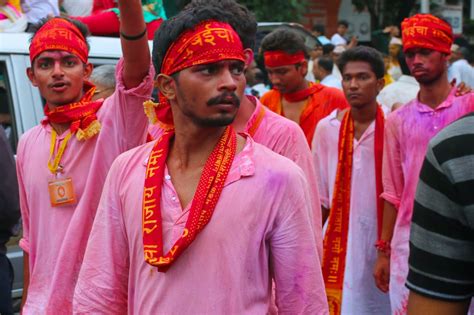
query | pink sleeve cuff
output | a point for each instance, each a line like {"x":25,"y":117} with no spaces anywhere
{"x":391,"y":198}
{"x":25,"y":245}
{"x":144,"y":88}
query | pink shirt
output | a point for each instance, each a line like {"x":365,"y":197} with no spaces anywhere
{"x":407,"y":133}
{"x":260,"y":230}
{"x":55,"y":237}
{"x":286,"y":138}
{"x":360,"y":295}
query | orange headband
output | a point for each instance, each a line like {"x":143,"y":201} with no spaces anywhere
{"x":279,"y":58}
{"x":208,"y":42}
{"x":427,"y":31}
{"x":59,"y":34}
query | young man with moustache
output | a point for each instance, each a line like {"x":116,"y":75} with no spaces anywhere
{"x":292,"y":96}
{"x":63,"y":162}
{"x":427,"y":44}
{"x":185,"y":242}
{"x":277,"y":133}
{"x":348,"y":149}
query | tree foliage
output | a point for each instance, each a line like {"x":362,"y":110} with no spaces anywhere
{"x":384,"y":13}
{"x":276,"y":10}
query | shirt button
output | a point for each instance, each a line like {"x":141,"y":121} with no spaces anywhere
{"x":435,"y":127}
{"x":167,"y":177}
{"x":173,"y":198}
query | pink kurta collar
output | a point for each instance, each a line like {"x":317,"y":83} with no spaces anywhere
{"x":448,"y":102}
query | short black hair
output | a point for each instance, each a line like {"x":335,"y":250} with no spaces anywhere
{"x":286,"y":40}
{"x":319,"y":28}
{"x":343,"y":22}
{"x":403,"y":63}
{"x":171,"y":29}
{"x":326,"y":63}
{"x":237,"y":15}
{"x":366,"y":54}
{"x":327,"y":49}
{"x":81,"y":26}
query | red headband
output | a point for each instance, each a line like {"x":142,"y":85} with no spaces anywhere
{"x":59,"y":34}
{"x":210,"y":41}
{"x":279,"y":58}
{"x":427,"y":31}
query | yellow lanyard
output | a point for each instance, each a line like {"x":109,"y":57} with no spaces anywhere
{"x":54,"y":167}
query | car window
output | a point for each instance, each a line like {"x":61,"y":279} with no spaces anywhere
{"x":7,"y":116}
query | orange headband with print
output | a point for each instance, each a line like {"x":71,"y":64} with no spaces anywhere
{"x":279,"y":58}
{"x":427,"y":31}
{"x":59,"y":34}
{"x":208,"y":42}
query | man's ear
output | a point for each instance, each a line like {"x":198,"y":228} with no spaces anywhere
{"x":380,"y":84}
{"x":31,"y":75}
{"x":166,"y":85}
{"x":88,"y":68}
{"x":304,"y":67}
{"x":249,"y":56}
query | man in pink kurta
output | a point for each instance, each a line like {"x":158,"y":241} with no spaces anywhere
{"x":277,"y":133}
{"x":407,"y":133}
{"x":261,"y":217}
{"x":284,"y":137}
{"x":254,"y":228}
{"x":55,"y":237}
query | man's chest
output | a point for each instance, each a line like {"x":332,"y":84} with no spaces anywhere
{"x":294,"y":110}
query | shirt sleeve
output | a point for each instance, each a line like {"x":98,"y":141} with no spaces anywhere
{"x":294,"y":260}
{"x":441,"y":245}
{"x":320,"y":158}
{"x":102,"y":285}
{"x":392,"y":173}
{"x":25,"y":210}
{"x":123,"y":110}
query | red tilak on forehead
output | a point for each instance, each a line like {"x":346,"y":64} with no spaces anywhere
{"x":59,"y":34}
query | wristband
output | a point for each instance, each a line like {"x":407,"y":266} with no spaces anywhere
{"x":133,"y":37}
{"x":383,"y":247}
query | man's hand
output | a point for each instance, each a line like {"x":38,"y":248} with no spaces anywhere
{"x":462,"y":89}
{"x":382,"y":272}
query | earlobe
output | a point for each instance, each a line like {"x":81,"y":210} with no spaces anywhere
{"x":31,"y":75}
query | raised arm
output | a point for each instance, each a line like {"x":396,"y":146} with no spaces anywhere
{"x":133,"y":36}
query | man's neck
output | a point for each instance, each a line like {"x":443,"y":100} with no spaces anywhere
{"x":436,"y":92}
{"x":192,"y":145}
{"x":247,"y":108}
{"x":363,"y":117}
{"x":302,"y":86}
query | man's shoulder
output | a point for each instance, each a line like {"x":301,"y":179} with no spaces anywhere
{"x":271,"y":163}
{"x":328,"y":92}
{"x":404,"y":111}
{"x":280,"y":125}
{"x":135,"y":157}
{"x":30,"y":135}
{"x":269,"y":96}
{"x":460,"y":133}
